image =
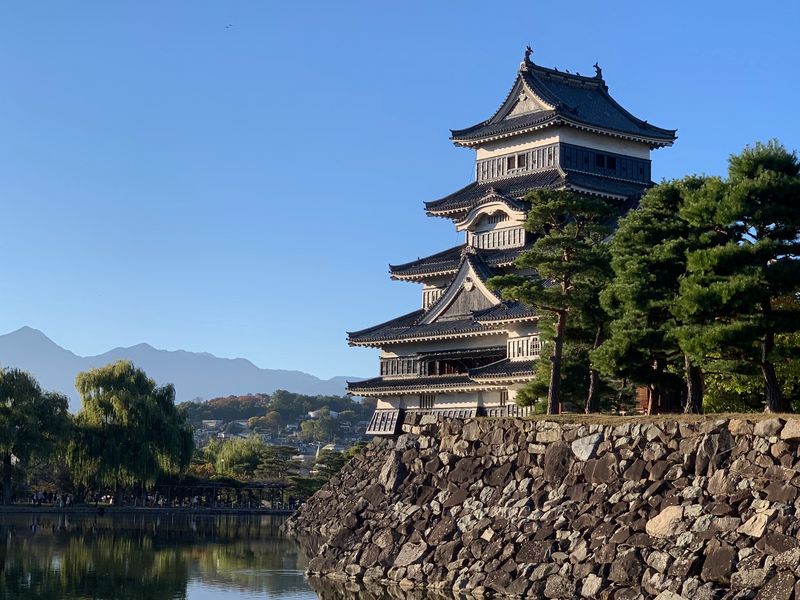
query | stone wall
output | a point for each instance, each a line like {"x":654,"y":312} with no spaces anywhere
{"x":673,"y":509}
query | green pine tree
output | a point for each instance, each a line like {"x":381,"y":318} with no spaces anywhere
{"x":729,"y":297}
{"x":648,"y":257}
{"x":568,"y":228}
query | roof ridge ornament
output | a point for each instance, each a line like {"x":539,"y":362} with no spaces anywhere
{"x":523,"y":66}
{"x":598,"y":71}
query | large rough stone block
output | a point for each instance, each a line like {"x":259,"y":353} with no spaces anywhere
{"x":718,"y":563}
{"x":557,"y":461}
{"x":780,"y":587}
{"x":410,"y":553}
{"x":585,"y":447}
{"x":791,"y":431}
{"x":627,"y":568}
{"x":667,"y":523}
{"x":767,"y":427}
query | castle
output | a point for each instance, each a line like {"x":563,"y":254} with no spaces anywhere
{"x":466,"y":351}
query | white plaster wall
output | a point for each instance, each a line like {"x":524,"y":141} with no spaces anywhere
{"x":567,"y":135}
{"x":487,"y":341}
{"x":517,"y":143}
{"x":445,"y":401}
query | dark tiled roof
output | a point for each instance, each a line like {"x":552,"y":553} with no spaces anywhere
{"x":468,"y":197}
{"x":500,"y":370}
{"x":605,"y":185}
{"x":407,"y":327}
{"x":515,"y":187}
{"x":398,"y":324}
{"x":410,"y":383}
{"x":507,"y":311}
{"x":402,"y":329}
{"x":582,"y":100}
{"x":503,"y":369}
{"x":450,"y":260}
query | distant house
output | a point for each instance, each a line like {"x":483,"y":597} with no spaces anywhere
{"x":316,"y":414}
{"x":212,"y":423}
{"x":333,"y":448}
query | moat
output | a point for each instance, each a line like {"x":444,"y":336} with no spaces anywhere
{"x":167,"y":557}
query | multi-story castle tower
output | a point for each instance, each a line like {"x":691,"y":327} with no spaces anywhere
{"x":467,"y":351}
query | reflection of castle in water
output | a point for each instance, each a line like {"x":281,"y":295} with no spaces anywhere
{"x":138,"y":556}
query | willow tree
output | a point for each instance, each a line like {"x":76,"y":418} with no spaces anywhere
{"x":129,"y":431}
{"x":568,"y":228}
{"x":33,"y":424}
{"x":730,"y":295}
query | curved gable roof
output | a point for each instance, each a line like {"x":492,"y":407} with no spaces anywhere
{"x":568,"y":99}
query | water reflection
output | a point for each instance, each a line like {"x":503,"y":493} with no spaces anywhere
{"x":169,"y":557}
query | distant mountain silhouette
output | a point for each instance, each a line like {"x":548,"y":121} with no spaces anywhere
{"x":194,"y":374}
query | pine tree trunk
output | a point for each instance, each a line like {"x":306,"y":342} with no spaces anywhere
{"x":694,"y":388}
{"x":554,"y":392}
{"x":653,"y":399}
{"x":8,"y":482}
{"x":774,"y":399}
{"x":772,"y":390}
{"x":593,"y":396}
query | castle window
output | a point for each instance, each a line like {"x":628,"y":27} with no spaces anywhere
{"x":600,"y":161}
{"x":511,"y":162}
{"x":503,"y":397}
{"x":426,"y":401}
{"x":611,"y":163}
{"x":521,"y":161}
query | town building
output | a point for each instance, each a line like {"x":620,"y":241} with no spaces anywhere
{"x":465,"y":351}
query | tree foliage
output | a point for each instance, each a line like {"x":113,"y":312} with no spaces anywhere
{"x":271,"y":412}
{"x":250,"y":458}
{"x":33,"y":424}
{"x":320,"y":429}
{"x":729,"y":300}
{"x":648,"y":258}
{"x":129,"y":430}
{"x":566,"y":257}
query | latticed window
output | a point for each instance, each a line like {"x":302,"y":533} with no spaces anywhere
{"x":503,"y":397}
{"x":426,"y":401}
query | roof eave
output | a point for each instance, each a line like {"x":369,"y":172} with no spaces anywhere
{"x":422,"y":338}
{"x":562,"y":120}
{"x":422,"y":276}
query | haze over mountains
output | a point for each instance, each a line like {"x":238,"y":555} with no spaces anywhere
{"x":194,"y":374}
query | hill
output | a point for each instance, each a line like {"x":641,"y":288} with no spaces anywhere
{"x":196,"y":375}
{"x":290,"y":406}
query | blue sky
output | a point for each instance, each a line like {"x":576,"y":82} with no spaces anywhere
{"x":235,"y":177}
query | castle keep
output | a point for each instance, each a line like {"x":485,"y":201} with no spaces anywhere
{"x":467,"y":352}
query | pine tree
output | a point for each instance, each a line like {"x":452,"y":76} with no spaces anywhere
{"x":648,"y":257}
{"x":567,"y":228}
{"x":729,"y":298}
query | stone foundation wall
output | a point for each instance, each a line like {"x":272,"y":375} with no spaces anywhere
{"x":695,"y":509}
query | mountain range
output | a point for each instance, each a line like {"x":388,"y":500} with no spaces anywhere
{"x":194,"y":374}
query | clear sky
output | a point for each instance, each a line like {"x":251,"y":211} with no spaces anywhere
{"x":235,"y":177}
